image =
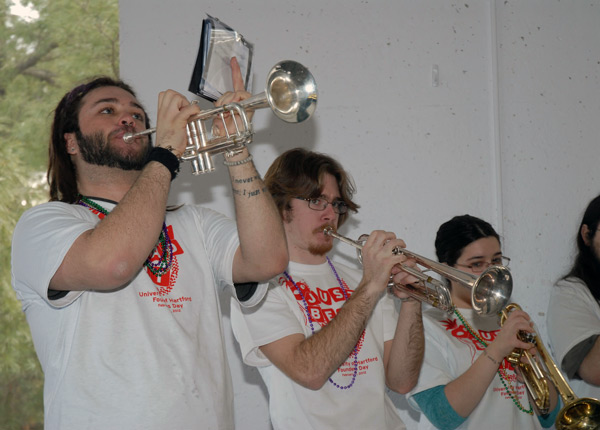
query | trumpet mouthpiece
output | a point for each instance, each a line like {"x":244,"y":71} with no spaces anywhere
{"x":127,"y":137}
{"x":328,"y":230}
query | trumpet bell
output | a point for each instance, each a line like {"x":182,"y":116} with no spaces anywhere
{"x":582,"y":414}
{"x":491,"y":291}
{"x":291,"y":91}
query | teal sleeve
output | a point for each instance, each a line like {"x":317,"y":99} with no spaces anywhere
{"x":547,"y":421}
{"x":434,"y":404}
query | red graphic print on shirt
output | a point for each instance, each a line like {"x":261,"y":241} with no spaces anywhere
{"x":166,"y":281}
{"x":165,"y":296}
{"x":319,"y":302}
{"x":459,"y":332}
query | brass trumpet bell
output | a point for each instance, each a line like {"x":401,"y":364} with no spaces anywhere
{"x":578,"y":413}
{"x":581,"y":414}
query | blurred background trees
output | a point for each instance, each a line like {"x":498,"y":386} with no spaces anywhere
{"x":46,"y":48}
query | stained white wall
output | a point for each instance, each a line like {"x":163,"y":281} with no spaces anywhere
{"x":509,"y":134}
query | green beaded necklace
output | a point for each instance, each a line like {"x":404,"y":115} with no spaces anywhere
{"x":166,"y":259}
{"x":512,"y":392}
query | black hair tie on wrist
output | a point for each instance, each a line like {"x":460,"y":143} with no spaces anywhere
{"x":165,"y":157}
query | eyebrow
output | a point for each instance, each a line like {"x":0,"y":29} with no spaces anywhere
{"x":114,"y":100}
{"x":323,"y":196}
{"x":481,"y":256}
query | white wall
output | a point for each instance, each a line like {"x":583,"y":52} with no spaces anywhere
{"x":509,"y":134}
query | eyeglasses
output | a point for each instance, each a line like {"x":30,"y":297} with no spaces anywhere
{"x":480,"y":266}
{"x":321,"y":203}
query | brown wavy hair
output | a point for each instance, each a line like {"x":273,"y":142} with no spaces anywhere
{"x":62,"y":177}
{"x":300,"y":173}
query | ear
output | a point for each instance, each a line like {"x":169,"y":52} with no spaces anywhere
{"x":71,"y":143}
{"x":585,"y":234}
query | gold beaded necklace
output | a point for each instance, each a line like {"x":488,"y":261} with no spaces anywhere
{"x":512,"y":392}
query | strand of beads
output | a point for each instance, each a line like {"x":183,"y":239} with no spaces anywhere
{"x":166,"y":256}
{"x":312,"y":328}
{"x":512,"y":392}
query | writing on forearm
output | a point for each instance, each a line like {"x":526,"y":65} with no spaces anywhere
{"x":248,"y":192}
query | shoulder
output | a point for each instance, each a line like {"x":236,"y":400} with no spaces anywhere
{"x":193,"y":210}
{"x":46,"y":215}
{"x":570,"y":287}
{"x":49,"y":208}
{"x":205,"y":218}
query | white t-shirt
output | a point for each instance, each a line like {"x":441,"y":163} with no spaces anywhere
{"x":573,"y":316}
{"x":365,"y":405}
{"x":449,"y":351}
{"x":147,"y":356}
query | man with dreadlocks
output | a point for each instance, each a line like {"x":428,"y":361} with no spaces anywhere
{"x":121,"y":295}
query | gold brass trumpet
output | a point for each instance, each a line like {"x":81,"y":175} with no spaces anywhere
{"x":490,"y":291}
{"x":578,"y":413}
{"x":291,"y":93}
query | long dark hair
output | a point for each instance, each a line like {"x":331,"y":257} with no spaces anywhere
{"x":586,"y":266}
{"x":62,"y":177}
{"x":454,"y":235}
{"x":300,"y":173}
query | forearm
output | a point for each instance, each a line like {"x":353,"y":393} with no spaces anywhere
{"x":404,"y":355}
{"x":313,"y":360}
{"x":263,"y":249}
{"x":589,"y":370}
{"x":465,"y":392}
{"x":112,"y":253}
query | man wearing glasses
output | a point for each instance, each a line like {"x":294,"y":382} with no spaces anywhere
{"x":328,"y":338}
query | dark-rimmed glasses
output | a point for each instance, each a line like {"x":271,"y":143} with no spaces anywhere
{"x":321,"y":203}
{"x":480,"y":266}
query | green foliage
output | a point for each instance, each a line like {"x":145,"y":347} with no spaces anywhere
{"x":40,"y":61}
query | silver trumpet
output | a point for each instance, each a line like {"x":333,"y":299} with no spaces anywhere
{"x":490,"y":291}
{"x":291,"y":93}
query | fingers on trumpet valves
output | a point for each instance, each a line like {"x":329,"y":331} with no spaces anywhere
{"x":521,"y":328}
{"x":174,"y":112}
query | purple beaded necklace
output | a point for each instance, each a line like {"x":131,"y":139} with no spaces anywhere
{"x":312,"y":328}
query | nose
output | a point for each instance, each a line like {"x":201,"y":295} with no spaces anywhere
{"x":328,"y":213}
{"x":127,"y":119}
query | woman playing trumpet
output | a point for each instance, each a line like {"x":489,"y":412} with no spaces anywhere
{"x":465,"y":381}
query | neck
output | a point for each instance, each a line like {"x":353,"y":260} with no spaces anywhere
{"x":109,"y":183}
{"x":306,"y":257}
{"x":462,"y":301}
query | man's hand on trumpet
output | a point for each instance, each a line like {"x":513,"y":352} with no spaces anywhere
{"x":174,"y":112}
{"x":379,"y":260}
{"x":401,"y":278}
{"x":239,"y":93}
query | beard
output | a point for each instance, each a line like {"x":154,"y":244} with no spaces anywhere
{"x":96,"y":149}
{"x":321,"y":248}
